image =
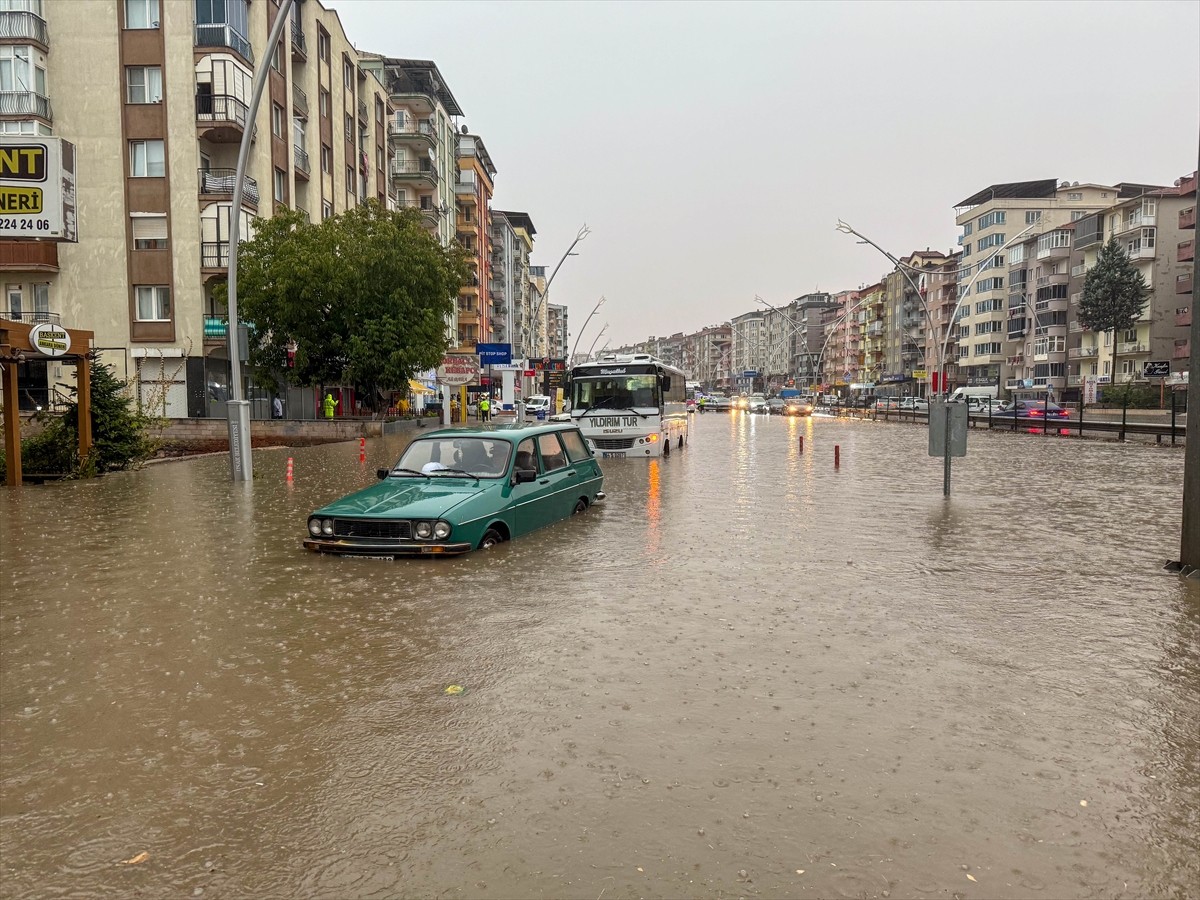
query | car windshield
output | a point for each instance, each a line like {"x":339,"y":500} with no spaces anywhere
{"x":480,"y":456}
{"x":618,"y":392}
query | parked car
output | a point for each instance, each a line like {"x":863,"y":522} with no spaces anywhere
{"x":980,"y":405}
{"x":1031,"y":409}
{"x":915,"y":404}
{"x":887,"y":404}
{"x":457,"y":490}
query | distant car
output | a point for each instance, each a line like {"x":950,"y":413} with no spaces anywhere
{"x":915,"y":404}
{"x":457,"y":490}
{"x":796,"y":407}
{"x":776,"y":406}
{"x":757,"y":403}
{"x":537,"y":403}
{"x":980,"y":405}
{"x":721,"y":404}
{"x":887,"y":404}
{"x":1031,"y":409}
{"x":742,"y":402}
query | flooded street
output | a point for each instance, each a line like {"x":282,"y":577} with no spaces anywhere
{"x":746,"y":674}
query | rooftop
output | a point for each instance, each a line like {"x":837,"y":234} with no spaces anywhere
{"x":417,"y":76}
{"x":1046,"y":187}
{"x":518,"y":220}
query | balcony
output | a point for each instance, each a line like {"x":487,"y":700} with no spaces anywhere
{"x":1074,"y":380}
{"x":1183,"y":349}
{"x":364,"y":112}
{"x":25,"y":103}
{"x":1183,"y":317}
{"x":1187,"y":217}
{"x":214,"y":255}
{"x":299,"y":45}
{"x":32,"y":317}
{"x":15,"y":23}
{"x":421,"y":132}
{"x":222,"y":35}
{"x":217,"y":184}
{"x":1186,"y":251}
{"x":220,"y":118}
{"x":28,"y":256}
{"x":299,"y":101}
{"x":1083,"y":352}
{"x":1053,"y":278}
{"x":303,"y":166}
{"x":1183,"y":283}
{"x":415,"y":170}
{"x":1131,"y":348}
{"x":467,"y":186}
{"x":216,"y":327}
{"x":1134,"y":222}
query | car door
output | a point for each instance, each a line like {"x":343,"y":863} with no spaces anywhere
{"x":558,"y":476}
{"x":528,"y":499}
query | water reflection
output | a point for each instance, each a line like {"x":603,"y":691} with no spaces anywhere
{"x":819,"y":670}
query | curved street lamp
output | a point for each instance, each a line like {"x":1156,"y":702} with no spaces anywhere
{"x":584,"y":231}
{"x":595,"y":309}
{"x":598,"y":336}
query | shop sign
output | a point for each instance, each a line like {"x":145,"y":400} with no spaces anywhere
{"x":50,"y":340}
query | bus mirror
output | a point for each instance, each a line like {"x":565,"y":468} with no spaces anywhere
{"x":666,"y":383}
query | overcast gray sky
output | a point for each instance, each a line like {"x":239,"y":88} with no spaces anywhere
{"x":712,"y":146}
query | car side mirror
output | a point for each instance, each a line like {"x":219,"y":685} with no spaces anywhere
{"x":381,"y":474}
{"x":524,"y":476}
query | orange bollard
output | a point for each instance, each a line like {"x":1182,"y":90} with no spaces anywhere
{"x":289,"y":469}
{"x":837,"y":455}
{"x":362,"y":449}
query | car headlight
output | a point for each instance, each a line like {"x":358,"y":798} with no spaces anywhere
{"x":441,"y":530}
{"x":327,"y":526}
{"x":314,"y":527}
{"x":424,"y":530}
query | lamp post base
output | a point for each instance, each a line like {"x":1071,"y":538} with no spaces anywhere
{"x":241,"y":464}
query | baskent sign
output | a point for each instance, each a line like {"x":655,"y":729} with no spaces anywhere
{"x":37,"y":189}
{"x":50,"y":340}
{"x":458,"y":369}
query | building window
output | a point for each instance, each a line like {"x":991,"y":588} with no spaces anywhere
{"x":1130,"y":336}
{"x":41,"y":301}
{"x":280,"y":186}
{"x":349,"y":127}
{"x":1075,"y":195}
{"x":15,"y":304}
{"x":326,"y":210}
{"x":322,"y":44}
{"x":19,"y":73}
{"x":277,"y":120}
{"x":1077,"y":214}
{"x":143,"y":84}
{"x":1032,"y":216}
{"x":147,"y":159}
{"x":324,"y":103}
{"x":967,"y":229}
{"x":33,"y":6}
{"x":153,"y":303}
{"x":141,"y":14}
{"x":350,"y":179}
{"x":991,"y":240}
{"x":348,"y":75}
{"x":149,"y":232}
{"x":277,"y":58}
{"x":996,"y":217}
{"x":326,"y":159}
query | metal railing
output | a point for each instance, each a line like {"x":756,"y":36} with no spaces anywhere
{"x":35,"y":317}
{"x":221,"y":109}
{"x":220,"y":182}
{"x":298,"y":43}
{"x":218,"y":34}
{"x":420,"y":168}
{"x":363,"y":110}
{"x":17,"y":23}
{"x":214,"y":255}
{"x":299,"y":99}
{"x":25,"y":103}
{"x":302,"y":163}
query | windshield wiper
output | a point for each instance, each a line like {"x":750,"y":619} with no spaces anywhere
{"x":408,"y":472}
{"x":455,"y":472}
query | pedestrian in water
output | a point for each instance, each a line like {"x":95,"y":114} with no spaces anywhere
{"x":329,"y":405}
{"x":276,"y":408}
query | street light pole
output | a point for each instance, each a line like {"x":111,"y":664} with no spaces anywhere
{"x":584,"y":231}
{"x":237,"y":409}
{"x":598,"y":336}
{"x":795,"y":330}
{"x":595,"y":309}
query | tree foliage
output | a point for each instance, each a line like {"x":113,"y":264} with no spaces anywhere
{"x":1113,"y":294}
{"x":363,"y":297}
{"x":121,"y":434}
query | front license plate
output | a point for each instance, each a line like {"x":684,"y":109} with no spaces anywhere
{"x":613,"y":454}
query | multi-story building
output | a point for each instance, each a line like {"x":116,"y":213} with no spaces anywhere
{"x":707,"y":356}
{"x":809,"y":313}
{"x":748,"y":343}
{"x":939,"y":289}
{"x":539,"y":312}
{"x":1152,"y":228}
{"x":556,"y":331}
{"x":907,"y":321}
{"x":154,"y":230}
{"x":473,"y":190}
{"x":873,"y":321}
{"x":512,"y":308}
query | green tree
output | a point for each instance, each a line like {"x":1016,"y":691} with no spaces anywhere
{"x":363,"y":297}
{"x":1114,"y":293}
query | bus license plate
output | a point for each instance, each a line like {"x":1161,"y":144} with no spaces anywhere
{"x":613,"y":454}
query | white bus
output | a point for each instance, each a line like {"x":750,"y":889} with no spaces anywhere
{"x":630,"y":406}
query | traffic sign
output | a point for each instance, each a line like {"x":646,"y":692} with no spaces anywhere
{"x":494,"y":354}
{"x":749,"y":373}
{"x":1158,"y":368}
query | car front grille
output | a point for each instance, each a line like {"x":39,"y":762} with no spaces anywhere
{"x":613,"y":443}
{"x":373,"y":528}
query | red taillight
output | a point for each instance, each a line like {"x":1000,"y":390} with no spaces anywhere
{"x":1035,"y":412}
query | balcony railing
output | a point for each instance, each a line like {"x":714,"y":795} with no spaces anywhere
{"x":363,"y":110}
{"x":1128,"y":348}
{"x":424,"y":206}
{"x":299,"y":46}
{"x":1183,"y":283}
{"x":220,"y":183}
{"x":302,"y":163}
{"x":33,"y":317}
{"x":16,"y":23}
{"x":1187,"y":217}
{"x":214,"y":255}
{"x":222,"y":35}
{"x":1083,"y":352}
{"x":1186,"y":251}
{"x":221,"y":109}
{"x":299,"y":100}
{"x":407,"y":168}
{"x":25,"y":103}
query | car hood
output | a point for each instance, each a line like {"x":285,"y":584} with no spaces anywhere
{"x":409,"y":497}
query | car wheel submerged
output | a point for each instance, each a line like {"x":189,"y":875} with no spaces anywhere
{"x":491,"y":538}
{"x":580,"y":507}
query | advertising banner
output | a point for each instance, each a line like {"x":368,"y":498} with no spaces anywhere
{"x":37,"y":188}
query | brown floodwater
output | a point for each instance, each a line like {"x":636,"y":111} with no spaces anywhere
{"x":746,"y":674}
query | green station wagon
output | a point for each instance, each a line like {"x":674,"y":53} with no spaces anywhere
{"x":459,"y":489}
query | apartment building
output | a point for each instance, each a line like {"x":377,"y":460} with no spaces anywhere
{"x":939,"y":290}
{"x":809,"y":313}
{"x":473,"y":191}
{"x":748,"y":345}
{"x":512,"y":308}
{"x":154,"y":94}
{"x":1155,"y":228}
{"x":707,"y":356}
{"x":539,"y":312}
{"x":873,"y":327}
{"x":557,"y":331}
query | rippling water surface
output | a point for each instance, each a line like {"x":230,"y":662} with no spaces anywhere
{"x":748,"y":673}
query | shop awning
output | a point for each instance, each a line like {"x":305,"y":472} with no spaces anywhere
{"x":417,"y":388}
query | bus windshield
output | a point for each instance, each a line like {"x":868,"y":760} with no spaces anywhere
{"x":615,"y":392}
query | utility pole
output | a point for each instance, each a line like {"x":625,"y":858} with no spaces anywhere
{"x":1189,"y":540}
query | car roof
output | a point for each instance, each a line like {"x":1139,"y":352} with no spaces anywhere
{"x":506,"y":431}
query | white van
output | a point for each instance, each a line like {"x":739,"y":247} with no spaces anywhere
{"x":962,"y":394}
{"x":535,"y":404}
